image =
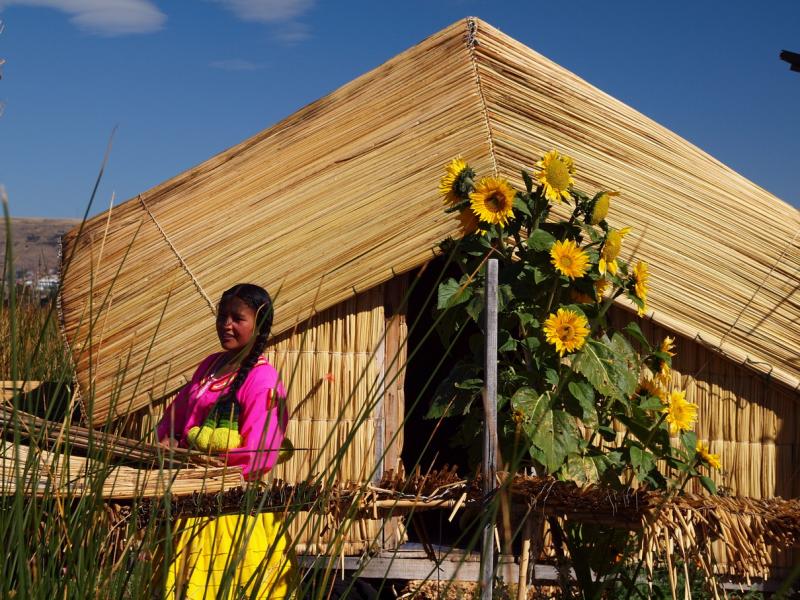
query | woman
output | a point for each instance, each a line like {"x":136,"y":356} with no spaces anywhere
{"x":233,"y":406}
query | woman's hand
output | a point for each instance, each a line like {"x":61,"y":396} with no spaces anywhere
{"x":168,"y":442}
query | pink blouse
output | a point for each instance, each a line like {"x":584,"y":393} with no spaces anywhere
{"x":262,"y":416}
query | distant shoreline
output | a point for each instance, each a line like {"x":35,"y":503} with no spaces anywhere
{"x":36,"y":242}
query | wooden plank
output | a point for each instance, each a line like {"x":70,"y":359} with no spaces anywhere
{"x":396,"y":356}
{"x":8,"y":389}
{"x":451,"y":564}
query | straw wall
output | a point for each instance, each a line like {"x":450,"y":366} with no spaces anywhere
{"x":751,"y":422}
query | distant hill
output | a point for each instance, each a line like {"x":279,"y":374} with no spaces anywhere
{"x":35,"y":242}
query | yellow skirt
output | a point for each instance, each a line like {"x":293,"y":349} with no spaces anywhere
{"x":230,"y":557}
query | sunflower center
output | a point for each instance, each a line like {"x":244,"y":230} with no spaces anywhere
{"x":566,"y":261}
{"x":567,"y":332}
{"x":495,"y":202}
{"x":558,"y":175}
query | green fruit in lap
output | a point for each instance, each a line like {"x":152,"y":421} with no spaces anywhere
{"x":225,"y":438}
{"x":199,"y":437}
{"x":204,"y":437}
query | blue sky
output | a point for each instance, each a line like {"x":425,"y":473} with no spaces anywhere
{"x":184,"y":79}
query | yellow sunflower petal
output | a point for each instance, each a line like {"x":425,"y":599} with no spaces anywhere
{"x":613,"y":244}
{"x":668,"y":345}
{"x":600,"y":288}
{"x":601,"y":206}
{"x":641,"y":275}
{"x":712,"y":460}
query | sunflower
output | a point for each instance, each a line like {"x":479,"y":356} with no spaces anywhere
{"x":650,"y":387}
{"x":569,"y":259}
{"x":664,"y":369}
{"x":681,"y":414}
{"x":556,"y":175}
{"x":566,"y":330}
{"x":453,"y":180}
{"x":493,"y":200}
{"x":610,"y":251}
{"x":600,"y":208}
{"x":640,"y":277}
{"x":712,"y":460}
{"x":600,"y":287}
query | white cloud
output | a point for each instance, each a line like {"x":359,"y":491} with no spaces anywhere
{"x":235,"y":64}
{"x":267,"y":11}
{"x":104,"y":17}
{"x":292,"y":33}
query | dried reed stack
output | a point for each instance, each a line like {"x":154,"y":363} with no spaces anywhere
{"x":47,"y":474}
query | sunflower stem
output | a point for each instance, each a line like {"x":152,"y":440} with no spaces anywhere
{"x":550,"y":299}
{"x":646,"y":442}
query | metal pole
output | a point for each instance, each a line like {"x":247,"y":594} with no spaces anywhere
{"x":490,"y":426}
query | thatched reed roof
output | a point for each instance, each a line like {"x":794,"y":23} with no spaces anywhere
{"x":341,"y":196}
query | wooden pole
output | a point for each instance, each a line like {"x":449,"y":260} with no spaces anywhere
{"x":524,"y":560}
{"x":490,"y":426}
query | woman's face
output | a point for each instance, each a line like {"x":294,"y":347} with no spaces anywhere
{"x":235,"y":324}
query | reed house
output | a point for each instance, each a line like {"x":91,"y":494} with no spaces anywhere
{"x":335,"y":210}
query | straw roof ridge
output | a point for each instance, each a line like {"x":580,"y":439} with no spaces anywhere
{"x":340,"y":197}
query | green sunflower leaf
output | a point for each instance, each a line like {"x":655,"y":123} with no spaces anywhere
{"x":633,"y":330}
{"x":522,"y":206}
{"x":540,"y":240}
{"x":451,"y":293}
{"x":584,"y":394}
{"x":528,"y":181}
{"x":608,"y":373}
{"x":708,"y":483}
{"x":651,"y":403}
{"x":554,"y":439}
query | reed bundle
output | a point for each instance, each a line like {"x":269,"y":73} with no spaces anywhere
{"x":44,"y":473}
{"x":338,"y":198}
{"x":111,"y":445}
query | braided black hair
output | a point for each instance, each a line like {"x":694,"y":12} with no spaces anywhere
{"x":259,"y":300}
